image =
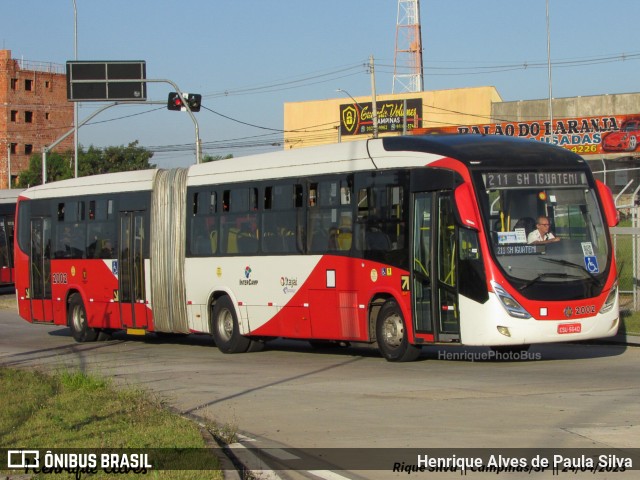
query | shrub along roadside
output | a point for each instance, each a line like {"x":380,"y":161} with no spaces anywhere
{"x":73,"y":410}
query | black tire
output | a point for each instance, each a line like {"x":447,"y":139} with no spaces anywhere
{"x":225,"y":328}
{"x":255,"y":346}
{"x":77,"y":320}
{"x":391,"y":334}
{"x":105,"y":335}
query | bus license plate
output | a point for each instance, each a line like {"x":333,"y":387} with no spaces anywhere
{"x":570,"y":328}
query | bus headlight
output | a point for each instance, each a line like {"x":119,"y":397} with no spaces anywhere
{"x":512,"y":307}
{"x":611,"y":299}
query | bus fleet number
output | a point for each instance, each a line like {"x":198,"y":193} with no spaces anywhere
{"x":60,"y":278}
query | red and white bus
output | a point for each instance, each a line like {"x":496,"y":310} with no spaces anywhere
{"x":400,"y":242}
{"x":8,"y":200}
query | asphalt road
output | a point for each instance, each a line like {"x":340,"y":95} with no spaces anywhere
{"x":290,"y":396}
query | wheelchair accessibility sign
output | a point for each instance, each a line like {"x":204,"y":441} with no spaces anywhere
{"x":591,"y":264}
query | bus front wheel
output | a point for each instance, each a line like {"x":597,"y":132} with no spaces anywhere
{"x":77,"y":319}
{"x":391,"y":335}
{"x":225,"y":328}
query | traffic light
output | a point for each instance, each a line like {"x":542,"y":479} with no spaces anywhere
{"x":175,"y":101}
{"x":194,"y":100}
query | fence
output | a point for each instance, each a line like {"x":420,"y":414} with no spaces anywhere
{"x":622,"y":176}
{"x":626,"y":242}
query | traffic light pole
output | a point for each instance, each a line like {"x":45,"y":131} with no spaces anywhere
{"x":193,"y":118}
{"x":60,"y":139}
{"x":100,"y":110}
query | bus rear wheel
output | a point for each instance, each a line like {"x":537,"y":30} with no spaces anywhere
{"x":77,"y":320}
{"x":391,"y":335}
{"x":225,"y":328}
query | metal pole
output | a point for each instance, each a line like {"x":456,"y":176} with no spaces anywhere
{"x":193,"y":118}
{"x":44,"y":164}
{"x":552,"y":137}
{"x":373,"y":98}
{"x":45,"y":149}
{"x":340,"y":121}
{"x":178,"y":91}
{"x":8,"y":164}
{"x":75,"y":104}
{"x":404,"y":117}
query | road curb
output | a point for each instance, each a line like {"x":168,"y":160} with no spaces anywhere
{"x":623,"y":339}
{"x":227,"y":466}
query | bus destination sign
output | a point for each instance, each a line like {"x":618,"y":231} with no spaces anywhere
{"x":534,"y":179}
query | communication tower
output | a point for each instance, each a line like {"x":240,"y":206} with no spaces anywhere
{"x":407,"y":62}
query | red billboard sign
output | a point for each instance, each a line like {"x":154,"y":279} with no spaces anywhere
{"x":582,"y":135}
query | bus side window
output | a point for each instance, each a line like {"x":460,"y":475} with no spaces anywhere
{"x":239,"y":221}
{"x":204,"y":234}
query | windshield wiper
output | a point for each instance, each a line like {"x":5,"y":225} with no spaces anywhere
{"x":547,"y":275}
{"x":567,"y":263}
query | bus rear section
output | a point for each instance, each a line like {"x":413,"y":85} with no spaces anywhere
{"x":82,"y":254}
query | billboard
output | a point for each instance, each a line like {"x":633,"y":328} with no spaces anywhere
{"x":357,"y":118}
{"x":583,"y":135}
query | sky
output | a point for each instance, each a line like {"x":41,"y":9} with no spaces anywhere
{"x":249,"y":57}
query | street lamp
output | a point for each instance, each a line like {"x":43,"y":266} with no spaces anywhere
{"x":355,"y":102}
{"x":349,"y":95}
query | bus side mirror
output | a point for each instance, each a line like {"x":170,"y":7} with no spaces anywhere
{"x":467,"y":206}
{"x":608,"y":204}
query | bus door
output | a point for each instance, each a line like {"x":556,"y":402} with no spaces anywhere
{"x":435,"y":294}
{"x":131,"y":274}
{"x":40,"y":270}
{"x":6,"y":249}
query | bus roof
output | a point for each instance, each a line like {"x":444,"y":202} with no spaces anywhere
{"x":137,"y":180}
{"x":494,"y":151}
{"x":10,"y":195}
{"x":302,"y":162}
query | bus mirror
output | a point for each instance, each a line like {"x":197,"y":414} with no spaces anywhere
{"x":608,"y":204}
{"x":466,"y":203}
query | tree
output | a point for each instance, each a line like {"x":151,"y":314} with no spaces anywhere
{"x":213,"y":158}
{"x":93,"y":161}
{"x":113,"y":159}
{"x":58,"y":168}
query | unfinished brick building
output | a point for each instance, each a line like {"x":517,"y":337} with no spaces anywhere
{"x":34,"y":113}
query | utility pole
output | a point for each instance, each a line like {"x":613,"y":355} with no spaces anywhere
{"x":374,"y":105}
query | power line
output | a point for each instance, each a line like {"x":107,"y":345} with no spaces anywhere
{"x":500,"y":68}
{"x":286,"y":84}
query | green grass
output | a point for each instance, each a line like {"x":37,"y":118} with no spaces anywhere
{"x":73,"y":410}
{"x":630,"y":322}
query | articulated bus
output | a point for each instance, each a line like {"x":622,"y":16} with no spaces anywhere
{"x":8,"y":200}
{"x":398,"y":242}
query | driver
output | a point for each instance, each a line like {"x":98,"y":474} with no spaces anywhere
{"x":541,"y":235}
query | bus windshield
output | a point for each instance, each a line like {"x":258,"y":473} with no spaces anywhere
{"x":545,"y":227}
